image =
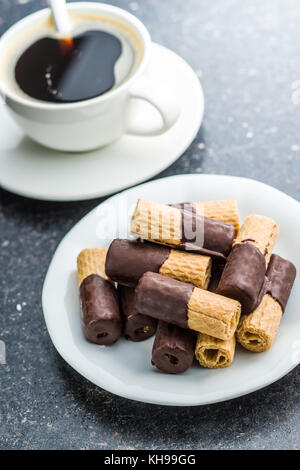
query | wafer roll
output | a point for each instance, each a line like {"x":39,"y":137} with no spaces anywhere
{"x":243,"y":276}
{"x":187,"y":306}
{"x":244,"y":273}
{"x":137,"y":327}
{"x":173,"y":348}
{"x":127,"y":261}
{"x":224,"y":211}
{"x":257,"y":331}
{"x":100,"y":315}
{"x":91,"y":261}
{"x":261,"y":231}
{"x":181,"y":229}
{"x":214,"y":353}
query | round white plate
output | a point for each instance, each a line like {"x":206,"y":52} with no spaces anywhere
{"x":125,"y":368}
{"x":30,"y":170}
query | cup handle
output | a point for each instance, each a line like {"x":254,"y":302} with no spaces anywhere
{"x":159,"y":97}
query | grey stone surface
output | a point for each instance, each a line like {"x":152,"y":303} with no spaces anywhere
{"x":247,"y":57}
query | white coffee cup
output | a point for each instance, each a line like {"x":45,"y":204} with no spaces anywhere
{"x":86,"y":125}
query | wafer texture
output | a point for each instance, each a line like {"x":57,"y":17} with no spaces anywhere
{"x":188,"y":267}
{"x":156,"y":222}
{"x":214,"y":353}
{"x":91,"y":261}
{"x":261,"y":232}
{"x":213,"y":314}
{"x":257,"y":331}
{"x":223,"y":210}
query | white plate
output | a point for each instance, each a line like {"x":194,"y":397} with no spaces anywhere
{"x":30,"y":170}
{"x":124,"y":368}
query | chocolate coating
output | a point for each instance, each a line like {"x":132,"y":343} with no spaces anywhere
{"x":173,"y":348}
{"x":281,"y":275}
{"x":163,"y":298}
{"x":137,"y":327}
{"x":217,"y":237}
{"x":127,"y":260}
{"x":187,"y":206}
{"x":205,"y":235}
{"x":101,"y":318}
{"x":216,"y":274}
{"x":243,"y":276}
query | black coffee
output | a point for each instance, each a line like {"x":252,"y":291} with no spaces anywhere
{"x":69,"y":70}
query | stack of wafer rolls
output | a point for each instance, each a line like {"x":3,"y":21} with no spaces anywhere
{"x":244,"y":273}
{"x":181,"y":229}
{"x":186,"y":271}
{"x":193,"y":278}
{"x":187,"y":306}
{"x":137,"y":327}
{"x":257,"y":331}
{"x":223,"y":210}
{"x":128,"y":260}
{"x":99,"y":302}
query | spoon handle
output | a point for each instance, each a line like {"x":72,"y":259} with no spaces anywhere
{"x":60,"y":16}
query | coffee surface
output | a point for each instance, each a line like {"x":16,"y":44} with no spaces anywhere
{"x":69,"y":70}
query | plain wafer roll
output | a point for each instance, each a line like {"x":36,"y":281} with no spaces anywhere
{"x":187,"y":306}
{"x":257,"y":331}
{"x":214,"y":353}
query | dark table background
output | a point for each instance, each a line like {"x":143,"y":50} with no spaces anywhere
{"x":246,"y":55}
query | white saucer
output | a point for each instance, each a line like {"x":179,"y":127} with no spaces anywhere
{"x":34,"y":171}
{"x":125,"y":368}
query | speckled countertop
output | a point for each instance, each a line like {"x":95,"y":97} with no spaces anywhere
{"x":247,"y":57}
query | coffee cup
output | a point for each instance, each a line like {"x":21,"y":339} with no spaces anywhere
{"x":91,"y":123}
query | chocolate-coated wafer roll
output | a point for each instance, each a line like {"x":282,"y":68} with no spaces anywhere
{"x":173,"y":348}
{"x":243,"y":276}
{"x":128,"y":260}
{"x":244,"y":273}
{"x":261,"y":231}
{"x":281,"y":275}
{"x":257,"y":331}
{"x":181,"y":229}
{"x":214,"y":353}
{"x":223,"y":210}
{"x":99,"y":302}
{"x":187,"y":306}
{"x":91,"y":261}
{"x":137,"y":327}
